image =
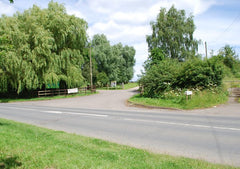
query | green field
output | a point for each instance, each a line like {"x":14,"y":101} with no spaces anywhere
{"x":27,"y":146}
{"x":119,"y":87}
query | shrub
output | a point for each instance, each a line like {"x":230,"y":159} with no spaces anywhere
{"x":168,"y":75}
{"x":160,"y":77}
{"x":198,"y":73}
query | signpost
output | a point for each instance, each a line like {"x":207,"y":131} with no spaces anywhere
{"x":188,"y":94}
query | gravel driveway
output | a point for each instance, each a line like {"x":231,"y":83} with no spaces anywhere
{"x":105,"y":99}
{"x":117,"y":100}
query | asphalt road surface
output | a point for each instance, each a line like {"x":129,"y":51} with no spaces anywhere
{"x":210,"y":134}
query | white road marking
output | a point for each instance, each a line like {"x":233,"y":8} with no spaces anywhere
{"x":53,"y":112}
{"x":86,"y":114}
{"x":184,"y":124}
{"x":80,"y":114}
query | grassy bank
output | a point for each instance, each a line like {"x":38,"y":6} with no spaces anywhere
{"x":26,"y":146}
{"x":7,"y":100}
{"x":203,"y":99}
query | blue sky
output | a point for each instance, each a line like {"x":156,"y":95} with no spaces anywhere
{"x":127,"y":21}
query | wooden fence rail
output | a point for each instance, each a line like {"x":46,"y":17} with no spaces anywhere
{"x":55,"y":92}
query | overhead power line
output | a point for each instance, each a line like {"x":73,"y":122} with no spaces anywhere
{"x":236,"y":19}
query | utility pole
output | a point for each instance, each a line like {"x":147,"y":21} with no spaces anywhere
{"x":206,"y":49}
{"x":90,"y":60}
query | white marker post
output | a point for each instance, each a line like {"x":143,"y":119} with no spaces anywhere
{"x":188,"y":94}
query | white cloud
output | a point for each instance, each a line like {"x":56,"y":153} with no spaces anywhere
{"x":196,"y":7}
{"x":75,"y":12}
{"x":121,"y":32}
{"x":6,"y":9}
{"x":130,"y":17}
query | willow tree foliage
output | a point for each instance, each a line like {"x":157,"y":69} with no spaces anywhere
{"x":172,"y":33}
{"x":126,"y":61}
{"x":41,"y":47}
{"x":104,"y":57}
{"x":115,"y":61}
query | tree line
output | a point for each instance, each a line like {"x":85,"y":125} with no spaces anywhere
{"x":44,"y":48}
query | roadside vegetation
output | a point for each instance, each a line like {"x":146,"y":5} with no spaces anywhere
{"x":174,"y":67}
{"x":27,"y":146}
{"x":178,"y":99}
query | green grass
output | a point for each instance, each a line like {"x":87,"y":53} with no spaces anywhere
{"x":27,"y":146}
{"x":119,"y":87}
{"x":130,"y":85}
{"x":204,"y":99}
{"x":7,"y":100}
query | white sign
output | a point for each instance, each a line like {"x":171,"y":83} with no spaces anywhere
{"x":74,"y":90}
{"x":188,"y":93}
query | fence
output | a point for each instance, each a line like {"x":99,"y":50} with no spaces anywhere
{"x":55,"y":92}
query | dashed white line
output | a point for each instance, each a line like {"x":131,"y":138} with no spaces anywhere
{"x":53,"y":112}
{"x":86,"y":114}
{"x":184,"y":124}
{"x":80,"y":114}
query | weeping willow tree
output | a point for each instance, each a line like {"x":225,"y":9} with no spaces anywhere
{"x":41,"y":47}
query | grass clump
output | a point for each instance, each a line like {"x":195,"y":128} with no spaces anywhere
{"x":27,"y":146}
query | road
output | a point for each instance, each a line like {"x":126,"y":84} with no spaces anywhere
{"x":197,"y":134}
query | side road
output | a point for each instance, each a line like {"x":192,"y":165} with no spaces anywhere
{"x":117,"y":100}
{"x":106,"y":99}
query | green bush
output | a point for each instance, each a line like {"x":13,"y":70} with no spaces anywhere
{"x":199,"y":73}
{"x":160,"y":77}
{"x":172,"y":75}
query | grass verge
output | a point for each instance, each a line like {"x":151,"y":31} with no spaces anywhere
{"x":7,"y":100}
{"x":27,"y":146}
{"x":202,"y":99}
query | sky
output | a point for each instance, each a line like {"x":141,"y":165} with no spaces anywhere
{"x":128,"y":21}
